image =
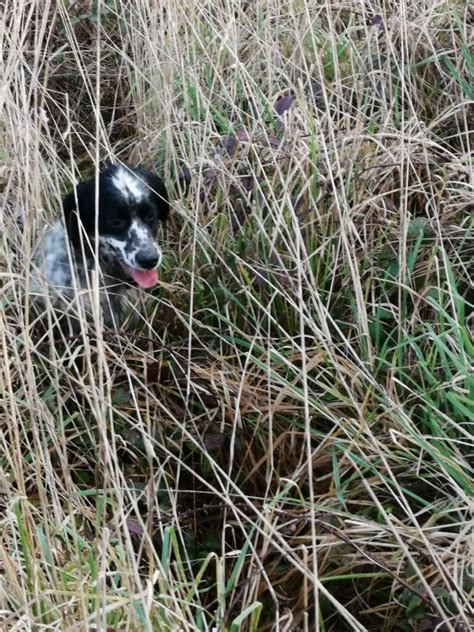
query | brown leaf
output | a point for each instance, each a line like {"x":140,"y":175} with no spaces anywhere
{"x":209,"y":182}
{"x":259,"y":280}
{"x":274,"y":142}
{"x":169,"y":314}
{"x":230,"y":145}
{"x":377,"y":22}
{"x":242,"y":134}
{"x":153,"y":373}
{"x":231,"y":141}
{"x":134,"y":527}
{"x":247,"y":183}
{"x":283,"y":104}
{"x":184,"y":178}
{"x":284,"y":278}
{"x":213,"y":440}
{"x":317,"y":94}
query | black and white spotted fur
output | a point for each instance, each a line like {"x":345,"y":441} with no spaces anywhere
{"x":112,"y":231}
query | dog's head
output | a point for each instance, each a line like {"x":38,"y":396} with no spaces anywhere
{"x":131,"y":202}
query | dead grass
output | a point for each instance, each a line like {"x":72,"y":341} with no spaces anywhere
{"x":286,"y":445}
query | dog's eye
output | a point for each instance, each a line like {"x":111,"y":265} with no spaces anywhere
{"x":149,"y":218}
{"x":117,"y":224}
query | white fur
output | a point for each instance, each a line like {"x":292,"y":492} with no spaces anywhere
{"x":129,"y":185}
{"x":51,"y":260}
{"x":68,"y":289}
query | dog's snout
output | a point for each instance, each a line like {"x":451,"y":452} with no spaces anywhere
{"x":148,"y":260}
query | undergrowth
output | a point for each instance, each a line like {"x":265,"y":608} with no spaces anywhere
{"x":286,"y":445}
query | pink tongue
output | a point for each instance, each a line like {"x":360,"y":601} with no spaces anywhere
{"x":144,"y":278}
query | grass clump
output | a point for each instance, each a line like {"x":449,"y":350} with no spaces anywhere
{"x":286,"y":445}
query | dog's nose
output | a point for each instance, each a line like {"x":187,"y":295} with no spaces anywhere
{"x":148,"y":260}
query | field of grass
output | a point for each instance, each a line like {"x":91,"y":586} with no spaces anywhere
{"x":286,"y":444}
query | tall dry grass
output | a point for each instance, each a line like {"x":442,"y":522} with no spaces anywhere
{"x":286,"y":444}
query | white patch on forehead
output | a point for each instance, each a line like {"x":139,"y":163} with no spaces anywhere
{"x":131,"y":187}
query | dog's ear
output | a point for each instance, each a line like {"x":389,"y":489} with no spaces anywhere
{"x":78,"y":211}
{"x":159,"y":194}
